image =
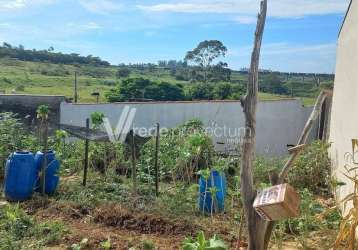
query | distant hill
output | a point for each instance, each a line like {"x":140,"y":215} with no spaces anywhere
{"x":20,"y":53}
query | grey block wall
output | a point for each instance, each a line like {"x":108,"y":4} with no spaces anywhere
{"x":278,"y":122}
{"x":25,"y":105}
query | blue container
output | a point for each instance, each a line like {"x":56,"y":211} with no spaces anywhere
{"x":214,"y":204}
{"x":20,"y":176}
{"x":51,"y":178}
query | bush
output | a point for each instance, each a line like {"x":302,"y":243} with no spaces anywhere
{"x":18,"y":229}
{"x":123,"y":72}
{"x":13,"y":137}
{"x":20,"y":88}
{"x":312,"y":169}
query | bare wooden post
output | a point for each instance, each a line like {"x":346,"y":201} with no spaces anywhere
{"x":134,"y":168}
{"x":85,"y":170}
{"x":75,"y":88}
{"x":255,"y":225}
{"x":44,"y":163}
{"x":156,"y":161}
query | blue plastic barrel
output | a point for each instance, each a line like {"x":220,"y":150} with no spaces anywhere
{"x":20,"y":176}
{"x":214,"y":204}
{"x":53,"y":165}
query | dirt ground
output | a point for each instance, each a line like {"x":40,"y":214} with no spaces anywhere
{"x":125,"y":229}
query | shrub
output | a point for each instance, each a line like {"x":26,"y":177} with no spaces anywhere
{"x":123,"y":72}
{"x":16,"y":228}
{"x":312,"y":169}
{"x":200,"y":243}
{"x":137,"y":88}
{"x":13,"y":137}
{"x":20,"y":88}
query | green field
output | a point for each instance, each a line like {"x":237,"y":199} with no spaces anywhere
{"x":22,"y":77}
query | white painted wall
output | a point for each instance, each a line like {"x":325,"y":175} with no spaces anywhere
{"x":344,"y":117}
{"x":278,"y":123}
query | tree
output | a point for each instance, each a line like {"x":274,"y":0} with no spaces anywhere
{"x":222,"y":91}
{"x":137,"y":88}
{"x":123,"y":72}
{"x":201,"y":92}
{"x":220,"y":72}
{"x":273,"y":84}
{"x":205,"y":53}
{"x":256,"y":226}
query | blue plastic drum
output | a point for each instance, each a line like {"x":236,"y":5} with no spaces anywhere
{"x":212,"y":200}
{"x":20,"y":176}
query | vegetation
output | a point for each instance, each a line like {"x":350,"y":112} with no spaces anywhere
{"x":185,"y":154}
{"x":45,"y":75}
{"x":202,"y":244}
{"x":20,"y":53}
{"x":18,"y":230}
{"x":104,"y":203}
{"x":204,"y":55}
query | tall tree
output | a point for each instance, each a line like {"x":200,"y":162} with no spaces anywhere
{"x":205,"y":53}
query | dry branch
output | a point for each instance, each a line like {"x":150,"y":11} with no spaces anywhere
{"x":305,"y":133}
{"x":295,"y":152}
{"x":255,"y":225}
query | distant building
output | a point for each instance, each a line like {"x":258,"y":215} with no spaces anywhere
{"x":344,"y":114}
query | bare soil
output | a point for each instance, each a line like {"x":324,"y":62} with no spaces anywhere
{"x":124,"y":228}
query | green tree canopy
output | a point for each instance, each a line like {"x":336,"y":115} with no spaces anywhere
{"x":205,"y":53}
{"x":138,"y":88}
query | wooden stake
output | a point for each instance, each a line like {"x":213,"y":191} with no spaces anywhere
{"x":44,"y":163}
{"x":134,"y":168}
{"x":75,"y":89}
{"x":156,"y":161}
{"x":85,"y":170}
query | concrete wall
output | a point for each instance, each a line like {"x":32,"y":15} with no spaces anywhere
{"x":344,"y":117}
{"x":278,"y":123}
{"x":27,"y":105}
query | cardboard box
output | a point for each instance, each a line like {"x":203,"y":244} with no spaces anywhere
{"x":277,"y":203}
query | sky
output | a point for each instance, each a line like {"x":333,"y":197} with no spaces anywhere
{"x":300,"y":35}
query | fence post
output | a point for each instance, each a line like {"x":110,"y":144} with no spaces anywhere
{"x":85,"y":170}
{"x":156,"y":161}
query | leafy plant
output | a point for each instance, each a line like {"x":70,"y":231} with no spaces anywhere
{"x":312,"y":169}
{"x":106,"y":245}
{"x":148,"y":245}
{"x":200,"y":243}
{"x":42,"y":112}
{"x":81,"y":245}
{"x":16,"y":227}
{"x":14,"y":137}
{"x":97,"y":119}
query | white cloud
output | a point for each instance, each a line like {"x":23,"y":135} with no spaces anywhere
{"x":277,"y":8}
{"x":19,"y":4}
{"x":86,"y":26}
{"x":289,"y":57}
{"x":101,"y":6}
{"x":245,"y":19}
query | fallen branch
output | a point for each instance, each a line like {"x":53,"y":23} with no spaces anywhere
{"x":305,"y":133}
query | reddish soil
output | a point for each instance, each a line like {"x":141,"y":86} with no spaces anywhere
{"x":124,"y":229}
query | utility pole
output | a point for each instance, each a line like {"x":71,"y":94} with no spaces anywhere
{"x":75,"y":94}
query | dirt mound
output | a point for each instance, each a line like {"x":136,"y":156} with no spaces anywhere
{"x":116,"y":216}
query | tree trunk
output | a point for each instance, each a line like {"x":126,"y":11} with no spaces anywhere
{"x":256,"y":226}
